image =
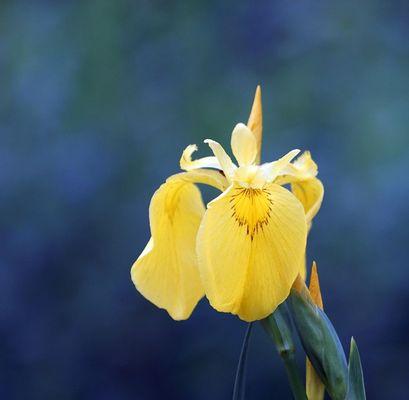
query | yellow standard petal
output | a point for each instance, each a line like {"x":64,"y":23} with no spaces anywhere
{"x":250,"y":245}
{"x":315,"y":388}
{"x":255,"y":122}
{"x":166,"y":272}
{"x":272,"y":170}
{"x":243,"y":145}
{"x":224,"y":159}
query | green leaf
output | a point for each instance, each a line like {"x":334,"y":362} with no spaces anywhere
{"x":356,"y":389}
{"x":240,"y":381}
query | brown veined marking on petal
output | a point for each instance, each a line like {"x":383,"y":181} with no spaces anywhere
{"x":251,"y":209}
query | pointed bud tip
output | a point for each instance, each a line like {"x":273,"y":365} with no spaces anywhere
{"x":300,"y":287}
{"x":255,"y":122}
{"x":314,"y":287}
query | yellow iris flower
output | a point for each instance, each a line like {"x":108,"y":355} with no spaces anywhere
{"x":246,"y":248}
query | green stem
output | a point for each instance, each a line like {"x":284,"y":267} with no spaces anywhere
{"x":240,"y":381}
{"x":296,"y":383}
{"x":278,"y":327}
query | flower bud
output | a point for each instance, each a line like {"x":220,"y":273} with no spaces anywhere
{"x":320,"y":341}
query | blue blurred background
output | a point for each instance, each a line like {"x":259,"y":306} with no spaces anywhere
{"x":97,"y":101}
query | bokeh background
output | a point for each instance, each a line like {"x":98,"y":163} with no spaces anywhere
{"x":97,"y":101}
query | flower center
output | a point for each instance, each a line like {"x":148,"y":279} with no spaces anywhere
{"x":251,"y":209}
{"x":249,"y":176}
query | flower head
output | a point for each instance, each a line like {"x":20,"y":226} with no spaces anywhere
{"x":245,"y":249}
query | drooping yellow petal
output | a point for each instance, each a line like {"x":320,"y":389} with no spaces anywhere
{"x":255,"y":122}
{"x":243,"y":145}
{"x":249,"y":246}
{"x":188,"y":164}
{"x":314,"y":387}
{"x":205,"y":176}
{"x":166,"y":272}
{"x":301,"y":174}
{"x":311,"y":193}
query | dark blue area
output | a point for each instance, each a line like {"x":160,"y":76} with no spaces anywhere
{"x":98,"y":100}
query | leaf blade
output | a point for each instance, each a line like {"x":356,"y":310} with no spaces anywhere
{"x":356,"y":389}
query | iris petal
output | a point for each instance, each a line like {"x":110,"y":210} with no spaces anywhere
{"x":306,"y":187}
{"x":273,"y":169}
{"x":243,"y":145}
{"x":188,"y":164}
{"x":166,"y":272}
{"x":223,"y":158}
{"x":311,"y":193}
{"x":250,"y":245}
{"x":205,"y":176}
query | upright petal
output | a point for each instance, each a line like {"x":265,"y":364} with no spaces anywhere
{"x":223,"y":158}
{"x":273,"y":169}
{"x":250,"y":245}
{"x":255,"y":122}
{"x":243,"y":145}
{"x":166,"y":272}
